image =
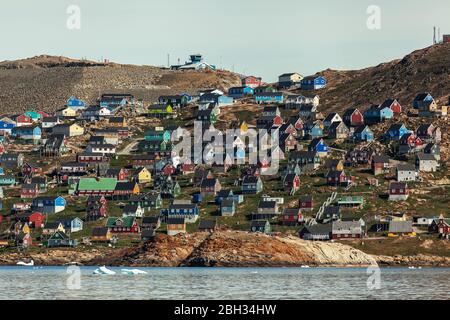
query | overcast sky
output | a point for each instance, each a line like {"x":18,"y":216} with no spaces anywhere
{"x":264,"y":38}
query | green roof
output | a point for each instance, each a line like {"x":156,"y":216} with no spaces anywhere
{"x":100,"y":184}
{"x":127,"y":222}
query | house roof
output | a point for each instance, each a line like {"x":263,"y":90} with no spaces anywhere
{"x":421,"y":96}
{"x":125,"y":186}
{"x":406,"y":167}
{"x":127,"y":222}
{"x":398,"y":185}
{"x":267,"y":204}
{"x":175,"y":221}
{"x":291,"y":211}
{"x":319,"y":229}
{"x":52,"y":225}
{"x":250,"y":179}
{"x":258,"y":223}
{"x":387,"y":103}
{"x":150,"y":220}
{"x":426,"y":157}
{"x":380,"y":158}
{"x":99,"y":232}
{"x":400,"y":226}
{"x":207,"y":224}
{"x":102,"y":184}
{"x":209,"y":182}
{"x":346,"y":227}
{"x":130,"y":208}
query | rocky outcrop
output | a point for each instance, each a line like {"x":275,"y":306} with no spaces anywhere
{"x":225,"y":248}
{"x":422,"y":260}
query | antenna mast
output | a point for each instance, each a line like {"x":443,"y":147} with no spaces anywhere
{"x":434,"y":35}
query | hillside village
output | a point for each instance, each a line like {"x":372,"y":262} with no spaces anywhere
{"x":106,"y":174}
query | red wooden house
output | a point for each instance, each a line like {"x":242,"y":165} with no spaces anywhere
{"x":31,"y":169}
{"x":91,"y":158}
{"x":297,"y":122}
{"x":411,"y":140}
{"x":291,"y":182}
{"x":443,"y":226}
{"x":96,"y":208}
{"x":353,"y":117}
{"x":252,"y":81}
{"x":33,"y":219}
{"x":146,"y":161}
{"x":392,"y":104}
{"x":169,"y":169}
{"x":120,"y":174}
{"x":306,"y":203}
{"x":23,"y":120}
{"x":339,"y":177}
{"x":188,"y":168}
{"x":29,"y":191}
{"x":292,"y":216}
{"x":36,"y":220}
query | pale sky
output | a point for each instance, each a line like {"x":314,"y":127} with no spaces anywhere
{"x":259,"y":37}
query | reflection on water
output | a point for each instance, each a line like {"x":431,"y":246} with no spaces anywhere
{"x":225,"y":283}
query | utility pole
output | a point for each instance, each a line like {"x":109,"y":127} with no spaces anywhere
{"x":168,"y":60}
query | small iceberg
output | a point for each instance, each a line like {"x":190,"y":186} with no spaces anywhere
{"x":411,"y":267}
{"x":304,"y":266}
{"x":132,"y":271}
{"x":26,"y":264}
{"x":104,"y":270}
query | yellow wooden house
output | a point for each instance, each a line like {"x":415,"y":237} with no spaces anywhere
{"x":143,"y":175}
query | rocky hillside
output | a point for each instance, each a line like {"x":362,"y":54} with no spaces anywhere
{"x":225,"y":248}
{"x":45,"y":82}
{"x":423,"y":70}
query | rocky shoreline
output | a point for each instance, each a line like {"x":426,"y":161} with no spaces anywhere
{"x":221,"y":249}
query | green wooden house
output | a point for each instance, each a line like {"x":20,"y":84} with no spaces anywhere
{"x":160,"y":111}
{"x":60,"y":239}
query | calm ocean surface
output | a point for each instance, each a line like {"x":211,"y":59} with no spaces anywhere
{"x":225,"y":283}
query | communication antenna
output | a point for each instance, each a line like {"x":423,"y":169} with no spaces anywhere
{"x":439,"y":35}
{"x":434,"y":35}
{"x":168,"y":60}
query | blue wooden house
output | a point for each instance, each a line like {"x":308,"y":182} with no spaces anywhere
{"x":72,"y":225}
{"x":376,"y":114}
{"x":216,"y":99}
{"x":396,"y":131}
{"x":75,"y":103}
{"x":227,"y":208}
{"x":313,"y":83}
{"x":189,"y":212}
{"x":222,"y":195}
{"x":27,"y":133}
{"x":269,"y":97}
{"x":6,"y":126}
{"x":318,"y":145}
{"x":51,"y":204}
{"x":240,"y":92}
{"x":422,"y":100}
{"x":313,"y":129}
{"x":252,"y":185}
{"x":363,"y":133}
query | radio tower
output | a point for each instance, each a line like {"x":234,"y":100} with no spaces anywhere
{"x":434,"y":35}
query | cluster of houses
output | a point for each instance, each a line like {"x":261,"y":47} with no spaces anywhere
{"x":147,"y":189}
